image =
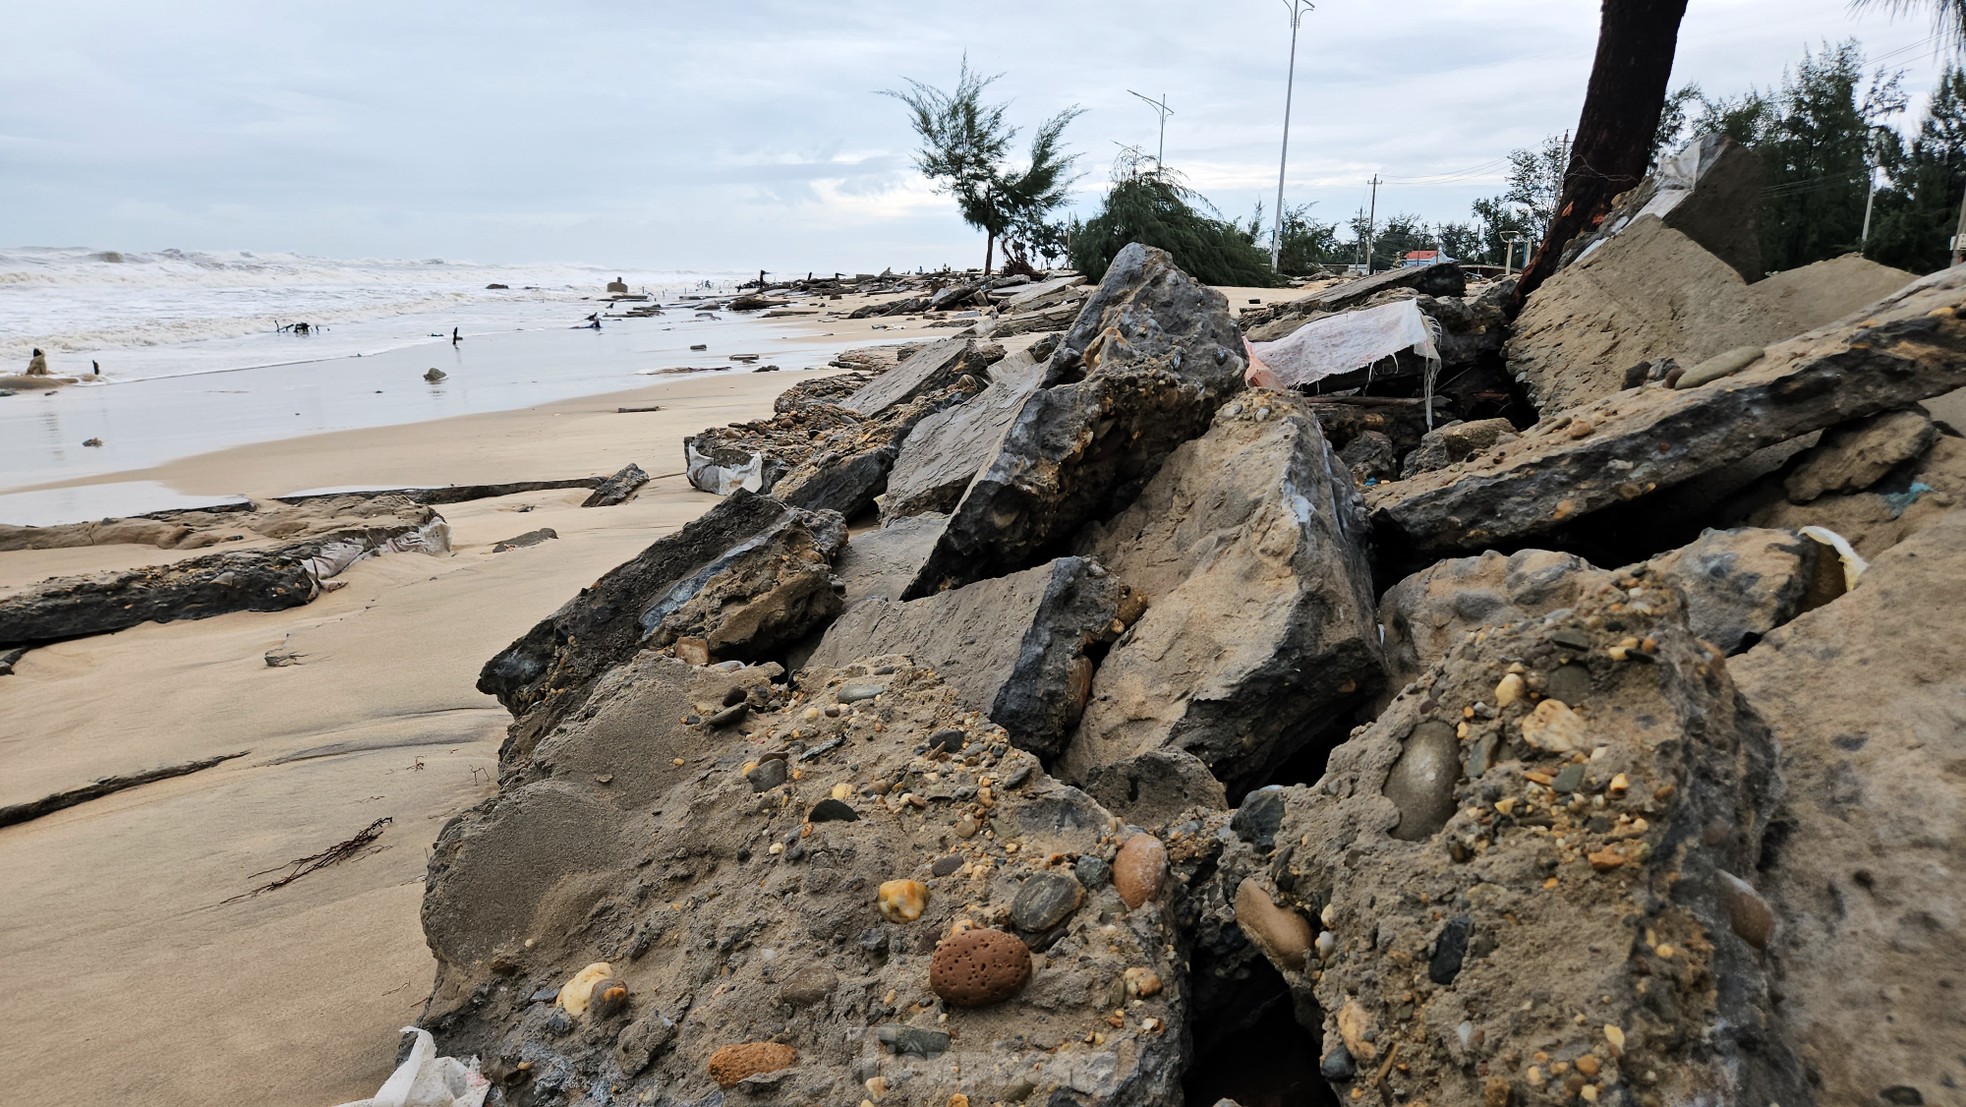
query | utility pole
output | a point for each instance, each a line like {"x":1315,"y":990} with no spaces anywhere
{"x":1959,"y":235}
{"x":1509,"y":239}
{"x":1372,"y":223}
{"x":1297,"y":10}
{"x":1165,"y":111}
{"x":1870,"y":201}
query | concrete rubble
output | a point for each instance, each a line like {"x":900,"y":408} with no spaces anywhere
{"x":1169,"y":740}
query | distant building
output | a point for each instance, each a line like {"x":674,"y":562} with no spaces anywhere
{"x":1426,"y":257}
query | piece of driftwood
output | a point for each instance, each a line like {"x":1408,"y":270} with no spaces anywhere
{"x":109,"y":785}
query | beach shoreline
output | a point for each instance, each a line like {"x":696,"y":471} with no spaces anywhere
{"x":295,"y":996}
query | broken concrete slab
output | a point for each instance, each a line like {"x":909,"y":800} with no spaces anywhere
{"x":1151,"y":357}
{"x":1456,"y":442}
{"x":1708,"y":191}
{"x":201,"y":587}
{"x":728,"y":915}
{"x":1446,"y":848}
{"x":1858,"y":454}
{"x":935,"y":366}
{"x":1862,"y":889}
{"x":618,"y":488}
{"x":826,"y":456}
{"x":1908,"y":346}
{"x":1740,"y":584}
{"x":1249,"y":550}
{"x":946,"y":450}
{"x":1911,"y":498}
{"x":751,"y":572}
{"x":847,"y":470}
{"x":1015,"y":647}
{"x":1432,"y":611}
{"x":879,"y":564}
{"x":1651,"y":293}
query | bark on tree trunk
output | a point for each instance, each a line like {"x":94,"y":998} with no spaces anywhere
{"x":989,"y":251}
{"x":1627,"y":94}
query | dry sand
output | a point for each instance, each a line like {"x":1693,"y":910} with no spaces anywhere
{"x":129,"y":980}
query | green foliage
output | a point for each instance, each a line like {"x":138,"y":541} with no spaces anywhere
{"x":1675,"y":121}
{"x":1536,"y":180}
{"x":965,"y":147}
{"x":1499,"y":220}
{"x":1154,"y":209}
{"x":1919,"y":210}
{"x":1817,"y":137}
{"x":1309,"y":245}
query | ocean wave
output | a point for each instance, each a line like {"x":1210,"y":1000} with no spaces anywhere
{"x":93,"y":301}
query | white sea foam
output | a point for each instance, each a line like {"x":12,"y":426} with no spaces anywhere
{"x":176,"y":312}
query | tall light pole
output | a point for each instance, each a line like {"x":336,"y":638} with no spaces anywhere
{"x":1160,"y":106}
{"x":1297,"y":10}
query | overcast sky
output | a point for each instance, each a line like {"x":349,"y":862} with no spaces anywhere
{"x":727,"y":136}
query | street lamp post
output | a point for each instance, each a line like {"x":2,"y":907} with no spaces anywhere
{"x":1297,"y":10}
{"x":1160,"y":105}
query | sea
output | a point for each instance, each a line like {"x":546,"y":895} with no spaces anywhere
{"x":181,"y":352}
{"x":177,"y":312}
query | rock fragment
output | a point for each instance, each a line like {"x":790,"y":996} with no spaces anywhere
{"x":1904,"y":348}
{"x":1151,"y":357}
{"x":1249,"y":552}
{"x":1863,"y":872}
{"x":1856,"y":455}
{"x":1613,"y":901}
{"x":748,"y":575}
{"x":1015,"y":646}
{"x":733,"y":1064}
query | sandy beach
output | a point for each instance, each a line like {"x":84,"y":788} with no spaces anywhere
{"x":133,"y":981}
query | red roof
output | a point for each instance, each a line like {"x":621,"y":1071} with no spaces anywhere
{"x":1422,"y":255}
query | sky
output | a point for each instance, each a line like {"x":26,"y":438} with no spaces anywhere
{"x":664,"y":136}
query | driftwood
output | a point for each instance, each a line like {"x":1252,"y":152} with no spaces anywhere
{"x":453,"y":493}
{"x":301,"y":866}
{"x":109,"y":785}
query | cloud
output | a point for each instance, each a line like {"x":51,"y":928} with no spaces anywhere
{"x":734,"y":136}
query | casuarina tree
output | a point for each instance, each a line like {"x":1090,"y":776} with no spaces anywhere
{"x":966,"y":151}
{"x":1636,"y":41}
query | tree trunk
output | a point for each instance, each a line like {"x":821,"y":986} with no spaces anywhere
{"x":989,"y":251}
{"x":1622,"y":105}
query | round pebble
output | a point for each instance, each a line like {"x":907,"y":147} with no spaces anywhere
{"x":902,"y":901}
{"x":1138,"y":869}
{"x":854,"y":693}
{"x":1284,"y":936}
{"x":832,"y":810}
{"x":1045,"y":901}
{"x":607,"y":998}
{"x":576,"y":993}
{"x":979,"y":967}
{"x":1421,"y":783}
{"x":767,"y":775}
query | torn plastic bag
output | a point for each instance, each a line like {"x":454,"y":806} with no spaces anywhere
{"x":1342,"y":343}
{"x":427,"y":1080}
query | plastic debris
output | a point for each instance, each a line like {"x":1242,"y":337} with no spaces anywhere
{"x":1343,"y":343}
{"x":427,"y":1080}
{"x":1853,"y":563}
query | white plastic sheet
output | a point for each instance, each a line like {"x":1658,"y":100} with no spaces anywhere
{"x":427,"y":1080}
{"x":1342,"y":343}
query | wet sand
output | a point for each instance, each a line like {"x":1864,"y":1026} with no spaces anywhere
{"x":129,"y":979}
